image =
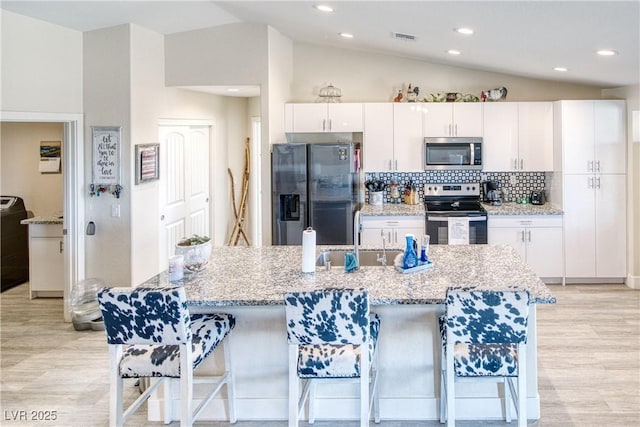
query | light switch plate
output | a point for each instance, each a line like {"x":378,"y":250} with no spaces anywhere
{"x":513,"y":180}
{"x":115,"y":211}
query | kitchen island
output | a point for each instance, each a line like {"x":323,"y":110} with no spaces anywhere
{"x":249,"y":283}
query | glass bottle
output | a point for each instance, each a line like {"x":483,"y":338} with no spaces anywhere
{"x":424,"y":250}
{"x":410,"y":258}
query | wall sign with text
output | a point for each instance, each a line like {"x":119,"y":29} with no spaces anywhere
{"x":106,"y":160}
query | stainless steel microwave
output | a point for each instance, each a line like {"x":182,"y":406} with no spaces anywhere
{"x":452,"y":153}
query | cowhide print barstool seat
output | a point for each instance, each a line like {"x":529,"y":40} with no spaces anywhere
{"x":327,"y":330}
{"x":151,"y":334}
{"x":484,"y":337}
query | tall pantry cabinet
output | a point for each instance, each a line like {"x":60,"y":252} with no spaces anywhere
{"x":590,"y":152}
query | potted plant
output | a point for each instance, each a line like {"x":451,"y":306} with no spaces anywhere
{"x":196,"y":251}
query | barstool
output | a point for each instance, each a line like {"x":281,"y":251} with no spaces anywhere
{"x":162,"y":340}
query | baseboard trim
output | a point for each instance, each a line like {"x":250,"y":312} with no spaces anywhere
{"x":633,"y":282}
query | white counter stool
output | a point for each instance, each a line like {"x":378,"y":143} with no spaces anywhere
{"x":484,"y":336}
{"x":326,"y":331}
{"x":162,"y":340}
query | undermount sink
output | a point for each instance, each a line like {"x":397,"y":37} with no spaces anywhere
{"x":368,"y":258}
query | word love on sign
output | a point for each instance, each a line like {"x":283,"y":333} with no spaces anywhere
{"x":106,"y":155}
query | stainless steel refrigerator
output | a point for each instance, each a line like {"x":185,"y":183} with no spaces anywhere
{"x":314,"y":185}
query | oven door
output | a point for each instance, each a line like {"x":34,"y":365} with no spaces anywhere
{"x":438,"y":228}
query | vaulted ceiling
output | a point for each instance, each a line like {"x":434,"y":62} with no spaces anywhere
{"x":526,"y":38}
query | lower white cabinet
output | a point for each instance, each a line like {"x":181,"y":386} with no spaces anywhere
{"x":538,"y":240}
{"x":393,"y":228}
{"x":46,"y":260}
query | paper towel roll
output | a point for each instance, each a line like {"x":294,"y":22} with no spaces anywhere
{"x":309,"y":250}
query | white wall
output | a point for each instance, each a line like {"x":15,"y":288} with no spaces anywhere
{"x":232,"y":54}
{"x":41,"y":66}
{"x":20,"y":155}
{"x":275,"y":94}
{"x":632,"y":95}
{"x":147,"y":86}
{"x":107,"y":102}
{"x":369,"y":77}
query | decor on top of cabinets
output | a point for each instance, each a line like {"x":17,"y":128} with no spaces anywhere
{"x":106,"y":161}
{"x":329,"y":93}
{"x":494,"y":94}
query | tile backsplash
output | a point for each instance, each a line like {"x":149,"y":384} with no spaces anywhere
{"x":518,"y":184}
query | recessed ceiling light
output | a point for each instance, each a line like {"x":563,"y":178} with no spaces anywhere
{"x":466,"y":31}
{"x":606,"y":52}
{"x":233,"y":89}
{"x":561,"y":69}
{"x":323,"y":8}
{"x":346,"y":35}
{"x":453,"y":52}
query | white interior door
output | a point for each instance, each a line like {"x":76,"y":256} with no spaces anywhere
{"x":184,"y":186}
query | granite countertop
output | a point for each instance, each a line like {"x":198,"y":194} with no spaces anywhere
{"x":51,"y":219}
{"x":245,"y":276}
{"x":512,"y":208}
{"x":392,"y":209}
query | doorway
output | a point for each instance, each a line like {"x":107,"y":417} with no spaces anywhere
{"x":74,"y":194}
{"x":184,"y":185}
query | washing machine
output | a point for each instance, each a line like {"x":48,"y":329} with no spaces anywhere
{"x":14,"y":252}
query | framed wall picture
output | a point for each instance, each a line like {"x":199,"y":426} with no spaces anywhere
{"x":147,"y":162}
{"x":50,"y":156}
{"x":106,"y":155}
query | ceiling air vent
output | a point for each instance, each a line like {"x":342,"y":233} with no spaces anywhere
{"x":405,"y":37}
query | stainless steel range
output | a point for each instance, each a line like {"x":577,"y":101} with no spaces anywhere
{"x":455,"y":214}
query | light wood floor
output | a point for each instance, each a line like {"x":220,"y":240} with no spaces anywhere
{"x":589,"y":363}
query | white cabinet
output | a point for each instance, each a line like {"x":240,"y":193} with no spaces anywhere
{"x":453,"y":119}
{"x":595,"y":228}
{"x":518,"y":136}
{"x":46,"y":260}
{"x":408,"y":137}
{"x":593,"y":136}
{"x":538,"y":240}
{"x":393,"y":228}
{"x":377,"y":147}
{"x":591,"y":139}
{"x":323,"y":117}
{"x":392,"y":137}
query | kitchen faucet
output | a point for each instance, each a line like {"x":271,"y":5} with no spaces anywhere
{"x":383,"y":259}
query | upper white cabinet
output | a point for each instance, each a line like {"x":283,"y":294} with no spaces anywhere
{"x":323,"y":117}
{"x":593,"y":136}
{"x":377,"y":151}
{"x":407,"y":136}
{"x":518,"y":136}
{"x":453,"y":119}
{"x":392,"y":137}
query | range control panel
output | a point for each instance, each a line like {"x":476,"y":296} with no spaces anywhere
{"x":462,"y":189}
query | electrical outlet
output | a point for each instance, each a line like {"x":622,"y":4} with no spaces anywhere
{"x":115,"y":211}
{"x":513,"y":180}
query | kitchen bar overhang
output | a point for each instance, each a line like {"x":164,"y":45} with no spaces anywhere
{"x":250,"y":282}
